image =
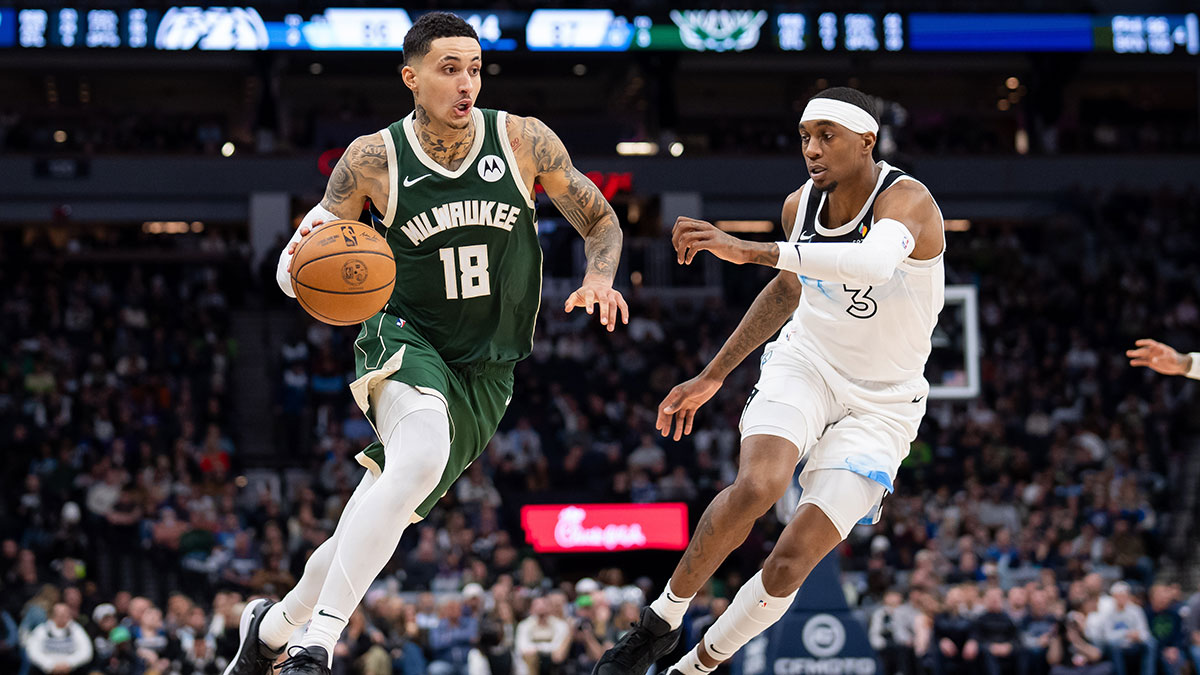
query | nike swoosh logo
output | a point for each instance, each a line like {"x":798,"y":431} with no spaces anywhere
{"x":335,"y":618}
{"x":716,"y":651}
{"x":917,"y":399}
{"x":670,"y":599}
{"x":411,"y":182}
{"x":807,"y":237}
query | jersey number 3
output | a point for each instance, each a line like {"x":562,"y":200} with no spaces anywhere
{"x":467,"y":265}
{"x":862,"y":305}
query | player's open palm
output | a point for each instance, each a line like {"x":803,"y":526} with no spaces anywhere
{"x":1157,"y":357}
{"x":680,"y":406}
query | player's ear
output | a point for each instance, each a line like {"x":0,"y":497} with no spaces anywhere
{"x":409,"y":75}
{"x":868,"y":142}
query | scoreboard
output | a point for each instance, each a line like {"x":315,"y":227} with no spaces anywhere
{"x":600,"y":30}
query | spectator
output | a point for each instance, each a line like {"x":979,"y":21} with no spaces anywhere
{"x":59,"y":646}
{"x":542,"y":640}
{"x":952,"y":650}
{"x":1070,"y":653}
{"x":451,"y":639}
{"x":1125,"y":632}
{"x":1166,"y":629}
{"x":996,"y":635}
{"x":891,"y":633}
{"x":1037,"y":629}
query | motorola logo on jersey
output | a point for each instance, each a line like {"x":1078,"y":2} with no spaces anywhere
{"x":491,"y":168}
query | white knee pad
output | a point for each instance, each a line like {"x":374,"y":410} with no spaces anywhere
{"x":774,"y":418}
{"x":415,"y":430}
{"x":844,"y":496}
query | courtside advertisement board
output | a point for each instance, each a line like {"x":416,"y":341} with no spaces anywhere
{"x":591,"y":528}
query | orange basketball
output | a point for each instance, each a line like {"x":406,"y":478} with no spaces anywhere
{"x":343,"y":272}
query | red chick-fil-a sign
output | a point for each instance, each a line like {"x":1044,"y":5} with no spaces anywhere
{"x":585,"y":528}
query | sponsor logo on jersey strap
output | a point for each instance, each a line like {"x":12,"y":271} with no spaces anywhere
{"x":491,"y":168}
{"x":409,"y":182}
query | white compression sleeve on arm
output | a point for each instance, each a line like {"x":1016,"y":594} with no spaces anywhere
{"x":1194,"y":371}
{"x":283,"y":276}
{"x":869,"y":262}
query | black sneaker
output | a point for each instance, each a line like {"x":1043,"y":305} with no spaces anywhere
{"x":305,"y":661}
{"x":646,"y":642}
{"x":253,"y":657}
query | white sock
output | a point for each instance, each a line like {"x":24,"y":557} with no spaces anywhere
{"x":690,"y":664}
{"x":282,"y":620}
{"x":751,"y":612}
{"x":671,"y":607}
{"x":415,"y":430}
{"x":296,"y":608}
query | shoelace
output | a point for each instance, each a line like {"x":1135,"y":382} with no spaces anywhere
{"x":626,"y":654}
{"x":297,"y":655}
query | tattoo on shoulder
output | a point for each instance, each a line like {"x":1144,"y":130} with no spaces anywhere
{"x":357,"y":172}
{"x":515,"y":127}
{"x":549,"y":154}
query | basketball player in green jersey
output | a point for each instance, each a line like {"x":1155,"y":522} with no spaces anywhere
{"x":455,"y":187}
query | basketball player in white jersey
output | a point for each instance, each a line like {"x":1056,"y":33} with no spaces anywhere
{"x":862,"y":281}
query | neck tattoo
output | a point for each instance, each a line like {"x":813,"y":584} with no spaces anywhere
{"x":448,"y":150}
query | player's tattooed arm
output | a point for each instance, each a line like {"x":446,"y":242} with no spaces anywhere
{"x":576,"y":196}
{"x":767,"y":314}
{"x":360,"y":174}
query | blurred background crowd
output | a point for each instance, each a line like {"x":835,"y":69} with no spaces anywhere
{"x":176,"y":436}
{"x":1032,"y":525}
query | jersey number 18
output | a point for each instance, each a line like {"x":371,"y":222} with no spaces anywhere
{"x":468,"y":268}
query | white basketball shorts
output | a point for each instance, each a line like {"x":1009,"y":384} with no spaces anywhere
{"x":858,"y":427}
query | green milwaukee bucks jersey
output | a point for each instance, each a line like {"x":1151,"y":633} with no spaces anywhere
{"x":468,"y":263}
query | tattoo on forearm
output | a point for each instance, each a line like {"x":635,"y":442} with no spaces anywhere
{"x":769,"y":256}
{"x":581,"y":203}
{"x":767,"y":314}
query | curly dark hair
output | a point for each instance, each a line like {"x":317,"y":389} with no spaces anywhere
{"x":430,"y":27}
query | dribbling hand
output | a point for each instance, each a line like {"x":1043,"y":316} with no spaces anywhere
{"x":305,"y":230}
{"x":681,"y":404}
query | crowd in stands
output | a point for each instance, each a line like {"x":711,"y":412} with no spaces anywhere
{"x":1016,"y":513}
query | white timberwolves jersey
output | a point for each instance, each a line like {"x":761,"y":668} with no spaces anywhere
{"x":874,"y":333}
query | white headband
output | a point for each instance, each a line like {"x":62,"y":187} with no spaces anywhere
{"x":848,"y":115}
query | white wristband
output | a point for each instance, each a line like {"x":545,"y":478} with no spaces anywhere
{"x":789,"y":257}
{"x":1194,"y":371}
{"x":283,"y":274}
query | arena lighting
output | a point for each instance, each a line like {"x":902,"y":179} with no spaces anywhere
{"x":637,"y":148}
{"x":170,"y":227}
{"x":756,"y":226}
{"x":957,"y":225}
{"x":676,"y":149}
{"x":228,"y":149}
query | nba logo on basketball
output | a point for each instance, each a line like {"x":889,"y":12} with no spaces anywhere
{"x":349,"y":235}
